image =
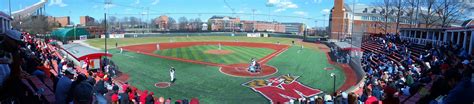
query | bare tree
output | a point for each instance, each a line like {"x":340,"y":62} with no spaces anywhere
{"x":111,"y":21}
{"x":197,"y":23}
{"x":190,"y":24}
{"x":183,"y":22}
{"x":134,"y":21}
{"x":410,"y":7}
{"x":428,"y":15}
{"x":35,"y":24}
{"x":172,"y":24}
{"x":384,"y":6}
{"x":397,"y":4}
{"x":449,"y":11}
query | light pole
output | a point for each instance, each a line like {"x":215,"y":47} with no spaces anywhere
{"x":326,"y":27}
{"x":74,"y":32}
{"x":10,"y":7}
{"x":315,"y":26}
{"x":334,"y":83}
{"x":253,"y":24}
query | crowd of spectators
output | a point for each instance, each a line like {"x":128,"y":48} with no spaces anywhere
{"x":440,"y":73}
{"x":24,"y":56}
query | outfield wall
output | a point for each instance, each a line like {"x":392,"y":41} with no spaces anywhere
{"x":280,"y":35}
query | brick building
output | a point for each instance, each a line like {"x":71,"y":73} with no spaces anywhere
{"x":162,"y":23}
{"x":294,"y":28}
{"x":63,"y":21}
{"x":86,"y":20}
{"x":248,"y":26}
{"x":96,"y":30}
{"x":366,"y":20}
{"x":223,"y":23}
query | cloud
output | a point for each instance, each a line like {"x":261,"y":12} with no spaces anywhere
{"x":95,"y":6}
{"x":137,"y":1}
{"x":301,"y":13}
{"x":107,"y":6}
{"x":240,"y":11}
{"x":325,"y":11}
{"x":318,"y":1}
{"x":282,"y":5}
{"x":155,"y":2}
{"x":59,"y":3}
{"x":279,"y":10}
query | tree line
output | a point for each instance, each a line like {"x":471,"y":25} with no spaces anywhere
{"x":421,"y":13}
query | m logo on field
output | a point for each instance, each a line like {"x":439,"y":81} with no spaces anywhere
{"x":281,"y":89}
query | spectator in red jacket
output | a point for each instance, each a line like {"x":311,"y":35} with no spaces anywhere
{"x":194,"y":101}
{"x":143,"y":97}
{"x":115,"y":98}
{"x":133,"y":94}
{"x":371,"y":99}
{"x":125,"y":86}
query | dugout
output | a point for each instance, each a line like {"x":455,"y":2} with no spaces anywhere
{"x":66,"y":34}
{"x":83,"y":54}
{"x":346,"y":48}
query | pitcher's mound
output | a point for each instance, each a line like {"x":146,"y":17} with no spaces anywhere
{"x":162,"y":84}
{"x":218,"y":52}
{"x":328,"y":68}
{"x":241,"y":70}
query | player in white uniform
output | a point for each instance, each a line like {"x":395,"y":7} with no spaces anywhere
{"x":157,"y":46}
{"x":172,"y":70}
{"x":220,"y":47}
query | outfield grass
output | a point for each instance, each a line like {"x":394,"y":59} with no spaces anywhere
{"x":100,"y":43}
{"x":206,"y":82}
{"x":309,"y":64}
{"x":239,"y":55}
{"x":213,"y":87}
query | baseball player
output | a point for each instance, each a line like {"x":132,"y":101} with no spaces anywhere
{"x":157,"y":46}
{"x":220,"y":47}
{"x":172,"y":70}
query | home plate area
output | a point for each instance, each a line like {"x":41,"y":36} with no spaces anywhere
{"x":241,"y":70}
{"x":163,"y":84}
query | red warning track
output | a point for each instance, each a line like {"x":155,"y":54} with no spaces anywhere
{"x":233,"y":70}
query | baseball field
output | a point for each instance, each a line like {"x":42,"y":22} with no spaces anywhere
{"x":217,"y":75}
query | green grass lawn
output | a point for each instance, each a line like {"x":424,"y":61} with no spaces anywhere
{"x":213,"y":87}
{"x":206,"y":82}
{"x":239,"y":55}
{"x":309,"y":65}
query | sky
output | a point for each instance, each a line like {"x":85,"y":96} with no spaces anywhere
{"x":265,"y":10}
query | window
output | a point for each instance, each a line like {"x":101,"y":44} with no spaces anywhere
{"x":2,"y":29}
{"x":373,"y":18}
{"x":374,"y":10}
{"x":365,"y":18}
